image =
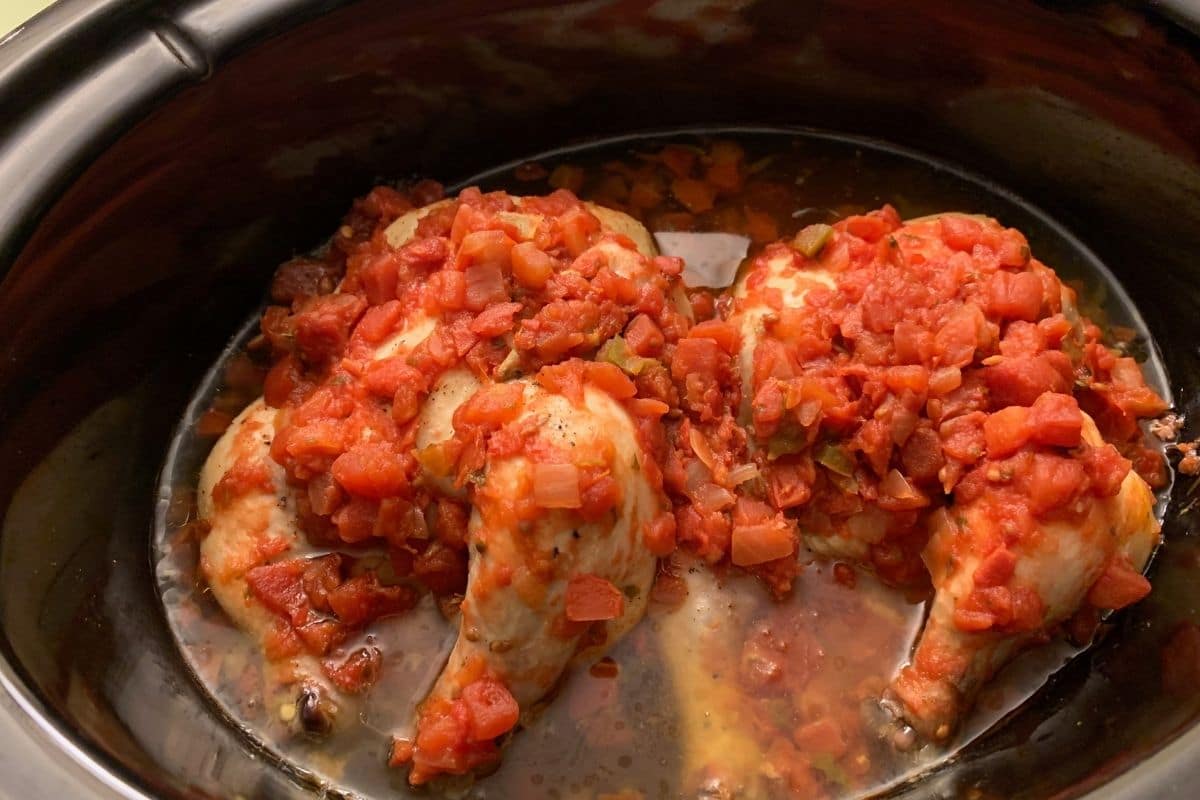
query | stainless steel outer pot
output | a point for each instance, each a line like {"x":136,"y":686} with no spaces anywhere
{"x":157,"y":158}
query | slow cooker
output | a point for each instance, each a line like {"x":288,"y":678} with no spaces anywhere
{"x":159,"y":157}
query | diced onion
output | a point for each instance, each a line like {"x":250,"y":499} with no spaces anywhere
{"x":709,"y":497}
{"x":742,"y":473}
{"x":556,"y":485}
{"x":701,"y":448}
{"x":809,"y":411}
{"x":944,"y":380}
{"x":897,"y":486}
{"x":697,"y":474}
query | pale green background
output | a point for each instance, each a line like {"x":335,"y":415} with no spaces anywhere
{"x":14,"y":12}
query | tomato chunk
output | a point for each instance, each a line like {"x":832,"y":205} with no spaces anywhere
{"x":1118,"y":586}
{"x":1021,"y":380}
{"x":491,"y":709}
{"x":591,"y":598}
{"x":371,"y":470}
{"x":1055,"y":419}
{"x":758,"y":543}
{"x":1006,"y":431}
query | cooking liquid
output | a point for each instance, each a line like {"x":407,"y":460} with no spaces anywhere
{"x":636,"y":720}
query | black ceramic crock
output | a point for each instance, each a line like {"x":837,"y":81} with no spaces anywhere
{"x":158,"y":157}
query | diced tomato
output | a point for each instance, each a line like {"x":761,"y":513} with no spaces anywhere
{"x":484,"y":286}
{"x":378,"y":277}
{"x":723,"y":333}
{"x":279,"y":587}
{"x":304,"y":277}
{"x":697,"y":357}
{"x":379,"y":321}
{"x":385,"y":377}
{"x":531,"y":267}
{"x":556,"y":485}
{"x":984,"y":608}
{"x":1028,"y":610}
{"x":282,"y":642}
{"x":362,"y":599}
{"x":283,"y":382}
{"x":578,"y":226}
{"x":913,"y":379}
{"x":355,"y":520}
{"x":1053,"y":482}
{"x":1106,"y":468}
{"x":1006,"y":431}
{"x":1020,"y":380}
{"x":591,"y":598}
{"x":922,"y":454}
{"x":246,"y":475}
{"x":324,"y":495}
{"x":1119,"y":585}
{"x":322,"y":327}
{"x":955,"y":342}
{"x":467,"y":218}
{"x":442,"y":568}
{"x":490,"y":247}
{"x":1015,"y":296}
{"x":758,"y":543}
{"x":1055,"y":419}
{"x":996,"y":569}
{"x":496,"y":320}
{"x":565,"y":379}
{"x":400,"y":520}
{"x":868,"y":227}
{"x":449,"y":523}
{"x":789,"y":483}
{"x":914,"y":345}
{"x":371,"y":470}
{"x":644,"y":337}
{"x":321,"y":576}
{"x":355,"y":673}
{"x":599,"y":493}
{"x":609,"y":378}
{"x":960,"y":231}
{"x":443,"y":743}
{"x":491,"y":709}
{"x":492,"y":405}
{"x":448,"y":289}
